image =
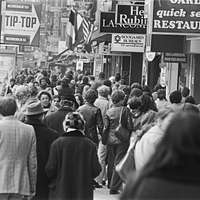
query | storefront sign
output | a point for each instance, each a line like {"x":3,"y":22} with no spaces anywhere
{"x":132,"y":15}
{"x":128,"y":42}
{"x":175,"y":57}
{"x":108,"y":25}
{"x":177,"y":17}
{"x":21,"y":23}
{"x":79,"y":65}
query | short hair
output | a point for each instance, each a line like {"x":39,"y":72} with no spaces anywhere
{"x":185,"y":92}
{"x":85,"y":80}
{"x":108,"y":83}
{"x":101,"y":75}
{"x":91,"y":95}
{"x":161,"y":94}
{"x":175,"y":97}
{"x":136,"y":92}
{"x":136,"y":85}
{"x":92,"y":78}
{"x":8,"y":106}
{"x":134,"y":103}
{"x":45,"y":93}
{"x":103,"y":91}
{"x":190,"y":99}
{"x":117,"y":96}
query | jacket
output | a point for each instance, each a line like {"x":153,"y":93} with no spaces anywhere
{"x":44,"y":138}
{"x":112,"y":121}
{"x":18,"y":162}
{"x":71,"y":167}
{"x":94,"y":122}
{"x":55,"y":120}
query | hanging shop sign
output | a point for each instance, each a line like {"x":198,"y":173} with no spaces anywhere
{"x":175,"y":57}
{"x":79,"y":65}
{"x":21,"y":23}
{"x":128,"y":42}
{"x":132,"y":15}
{"x":177,"y":17}
{"x":108,"y":25}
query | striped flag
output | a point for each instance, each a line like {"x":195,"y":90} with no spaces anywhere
{"x":84,"y":32}
{"x":73,"y":25}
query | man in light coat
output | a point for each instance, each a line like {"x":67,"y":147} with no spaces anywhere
{"x":18,"y":162}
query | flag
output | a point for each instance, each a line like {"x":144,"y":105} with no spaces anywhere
{"x":73,"y":25}
{"x":84,"y":32}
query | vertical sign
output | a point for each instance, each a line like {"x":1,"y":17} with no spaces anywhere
{"x":21,"y":23}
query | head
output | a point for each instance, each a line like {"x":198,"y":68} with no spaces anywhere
{"x":146,"y":101}
{"x":21,"y":94}
{"x":134,"y":103}
{"x":34,"y":110}
{"x":175,"y":97}
{"x":8,"y":106}
{"x":102,"y":75}
{"x":74,"y":120}
{"x":118,"y":97}
{"x":43,"y":82}
{"x":161,"y":94}
{"x":103,"y":91}
{"x":146,"y":90}
{"x":136,"y":85}
{"x":185,"y":92}
{"x":45,"y":99}
{"x":188,"y":107}
{"x":36,"y":84}
{"x":12,"y":82}
{"x":117,"y":77}
{"x":85,"y":80}
{"x":56,"y":100}
{"x":65,"y":83}
{"x":135,"y":92}
{"x":90,"y":96}
{"x":190,"y":99}
{"x":126,"y":89}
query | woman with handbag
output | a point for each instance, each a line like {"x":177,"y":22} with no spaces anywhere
{"x":118,"y":127}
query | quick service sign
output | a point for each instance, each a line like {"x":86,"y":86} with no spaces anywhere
{"x":177,"y":17}
{"x":128,"y":42}
{"x":21,"y":23}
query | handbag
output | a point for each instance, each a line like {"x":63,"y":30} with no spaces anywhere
{"x":123,"y":134}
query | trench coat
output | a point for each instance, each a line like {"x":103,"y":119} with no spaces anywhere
{"x":71,"y":167}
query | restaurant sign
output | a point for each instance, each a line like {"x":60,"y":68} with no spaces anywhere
{"x":176,"y":17}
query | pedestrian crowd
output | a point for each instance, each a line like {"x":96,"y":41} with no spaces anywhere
{"x":62,"y":136}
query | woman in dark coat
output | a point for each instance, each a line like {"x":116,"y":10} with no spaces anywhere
{"x":73,"y":162}
{"x":173,"y":171}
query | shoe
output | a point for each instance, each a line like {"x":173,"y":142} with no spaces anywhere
{"x":114,"y":192}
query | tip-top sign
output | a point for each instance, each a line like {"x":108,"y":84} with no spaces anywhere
{"x":177,"y":17}
{"x":21,"y":23}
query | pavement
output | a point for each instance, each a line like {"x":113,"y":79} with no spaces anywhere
{"x":103,"y":194}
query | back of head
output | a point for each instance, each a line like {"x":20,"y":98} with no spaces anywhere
{"x":85,"y":80}
{"x":73,"y":120}
{"x":103,"y":91}
{"x":91,"y":95}
{"x":185,"y":92}
{"x":117,"y":96}
{"x":175,"y":97}
{"x":190,"y":99}
{"x":146,"y":103}
{"x":182,"y":138}
{"x":134,"y":103}
{"x":135,"y":92}
{"x":136,"y":85}
{"x":188,"y":107}
{"x":8,"y":106}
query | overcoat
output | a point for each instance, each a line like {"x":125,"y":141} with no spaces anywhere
{"x":72,"y":166}
{"x":44,"y":138}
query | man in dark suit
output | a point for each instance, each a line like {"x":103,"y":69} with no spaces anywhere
{"x":44,"y":138}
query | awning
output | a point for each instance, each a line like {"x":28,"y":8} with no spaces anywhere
{"x":101,"y":37}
